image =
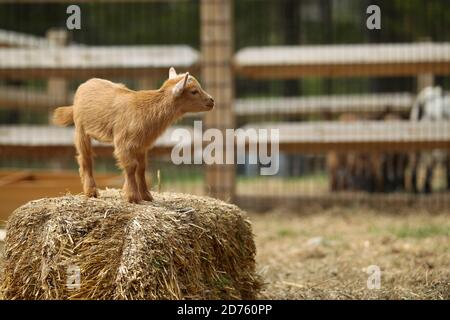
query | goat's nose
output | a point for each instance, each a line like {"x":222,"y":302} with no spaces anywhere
{"x":210,"y":102}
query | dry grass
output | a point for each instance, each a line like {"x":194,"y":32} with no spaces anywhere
{"x":177,"y":247}
{"x":323,"y":254}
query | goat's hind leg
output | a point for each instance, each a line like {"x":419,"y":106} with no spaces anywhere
{"x":84,"y":157}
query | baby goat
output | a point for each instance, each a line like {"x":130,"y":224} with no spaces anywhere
{"x":131,"y":120}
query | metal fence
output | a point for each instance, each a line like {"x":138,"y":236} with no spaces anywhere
{"x":340,"y":93}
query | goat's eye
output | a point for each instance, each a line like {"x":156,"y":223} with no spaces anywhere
{"x":194,"y":92}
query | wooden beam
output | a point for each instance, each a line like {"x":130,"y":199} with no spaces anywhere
{"x":17,"y":98}
{"x":85,"y":62}
{"x":13,"y":97}
{"x":216,"y":18}
{"x":49,"y":141}
{"x":15,"y":177}
{"x":17,"y":39}
{"x":367,"y":136}
{"x":47,"y":184}
{"x":291,"y":62}
{"x":364,"y":103}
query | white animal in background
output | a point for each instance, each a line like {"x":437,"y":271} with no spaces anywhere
{"x":432,"y":104}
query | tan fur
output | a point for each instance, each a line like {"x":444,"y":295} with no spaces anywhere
{"x":63,"y":116}
{"x":131,"y":120}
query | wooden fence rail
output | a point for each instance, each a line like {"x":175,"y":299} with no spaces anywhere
{"x":22,"y":40}
{"x":49,"y":141}
{"x":322,"y":105}
{"x":18,"y":98}
{"x":292,"y":62}
{"x":79,"y":62}
{"x":304,"y":137}
{"x":367,"y":136}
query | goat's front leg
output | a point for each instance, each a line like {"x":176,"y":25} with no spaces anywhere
{"x":128,"y":162}
{"x":130,"y":185}
{"x":140,"y":177}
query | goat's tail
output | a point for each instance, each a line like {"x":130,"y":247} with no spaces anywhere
{"x":63,"y":116}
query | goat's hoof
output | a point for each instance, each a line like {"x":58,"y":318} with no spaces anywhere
{"x":147,"y":196}
{"x":134,"y":198}
{"x":91,"y":193}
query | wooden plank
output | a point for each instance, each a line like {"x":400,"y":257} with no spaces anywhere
{"x":17,"y":98}
{"x":312,"y":137}
{"x":365,"y":103}
{"x":284,"y":62}
{"x":20,"y":98}
{"x":13,"y":97}
{"x":86,"y":62}
{"x":48,"y":141}
{"x":17,"y":39}
{"x":370,"y":136}
{"x":15,"y":177}
{"x":47,"y":184}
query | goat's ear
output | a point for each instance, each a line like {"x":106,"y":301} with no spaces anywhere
{"x":179,"y":87}
{"x":172,"y":73}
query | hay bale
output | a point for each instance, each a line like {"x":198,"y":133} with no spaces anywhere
{"x":177,"y":247}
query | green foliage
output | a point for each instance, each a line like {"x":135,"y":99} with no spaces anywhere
{"x":111,"y":23}
{"x":425,"y":231}
{"x":416,"y":232}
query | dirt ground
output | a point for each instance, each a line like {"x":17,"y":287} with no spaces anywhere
{"x":327,"y":254}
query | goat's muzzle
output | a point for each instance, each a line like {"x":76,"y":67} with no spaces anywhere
{"x":210,"y":103}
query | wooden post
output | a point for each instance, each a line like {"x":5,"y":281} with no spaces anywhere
{"x":422,"y":81}
{"x":217,"y":76}
{"x":57,"y":87}
{"x":426,"y":79}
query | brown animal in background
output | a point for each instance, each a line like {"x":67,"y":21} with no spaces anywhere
{"x":131,"y":120}
{"x":353,"y":170}
{"x":393,"y":164}
{"x":341,"y":165}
